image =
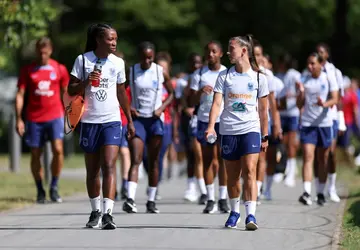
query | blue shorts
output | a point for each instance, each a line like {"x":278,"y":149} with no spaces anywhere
{"x":202,"y":127}
{"x":145,"y":128}
{"x":335,"y":128}
{"x":123,"y":141}
{"x":168,"y":135}
{"x":95,"y":135}
{"x":233,"y":147}
{"x":345,"y":139}
{"x":289,"y":123}
{"x":37,"y":133}
{"x":319,"y":136}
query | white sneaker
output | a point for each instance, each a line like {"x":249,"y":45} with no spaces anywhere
{"x":277,"y":178}
{"x":333,"y":196}
{"x":190,"y":195}
{"x":357,"y":161}
{"x":289,"y":182}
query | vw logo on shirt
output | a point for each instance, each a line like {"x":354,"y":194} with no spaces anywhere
{"x":101,"y":95}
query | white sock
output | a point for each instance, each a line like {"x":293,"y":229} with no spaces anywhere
{"x":152,"y":193}
{"x":307,"y":187}
{"x":211,"y":192}
{"x":191,"y":183}
{"x":291,"y":165}
{"x":132,"y":189}
{"x":202,"y":186}
{"x":332,"y":181}
{"x":259,"y":185}
{"x":222,"y":192}
{"x":95,"y":204}
{"x":317,"y":183}
{"x":108,"y":206}
{"x":321,"y":188}
{"x":269,"y":181}
{"x":250,"y":207}
{"x":235,"y":205}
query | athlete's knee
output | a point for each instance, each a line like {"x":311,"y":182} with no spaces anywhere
{"x":36,"y":154}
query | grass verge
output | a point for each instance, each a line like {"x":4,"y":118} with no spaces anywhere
{"x":74,"y":161}
{"x":350,"y":238}
{"x":18,"y":190}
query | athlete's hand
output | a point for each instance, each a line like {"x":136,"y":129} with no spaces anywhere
{"x":134,"y":112}
{"x":210,"y":131}
{"x":207,"y":89}
{"x":95,"y":75}
{"x":189,"y":111}
{"x":320,"y":102}
{"x":264,"y":146}
{"x":277,"y":132}
{"x":157,"y":113}
{"x":299,"y":87}
{"x":20,"y":127}
{"x":176,"y":136}
{"x":130,"y":130}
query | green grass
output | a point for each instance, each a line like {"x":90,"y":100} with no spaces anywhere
{"x":18,"y":190}
{"x":74,"y":161}
{"x":351,"y":221}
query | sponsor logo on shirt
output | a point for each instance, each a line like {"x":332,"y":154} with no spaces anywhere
{"x":44,"y":89}
{"x":101,"y":95}
{"x":240,"y":96}
{"x":104,"y":83}
{"x":239,"y":107}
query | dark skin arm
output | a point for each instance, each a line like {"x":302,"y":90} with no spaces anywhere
{"x":77,"y":86}
{"x":124,"y":103}
{"x":169,"y":88}
{"x":19,"y":104}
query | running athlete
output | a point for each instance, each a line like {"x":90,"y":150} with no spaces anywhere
{"x":43,"y":81}
{"x":243,"y":125}
{"x":201,"y":92}
{"x":317,"y":92}
{"x":289,"y":114}
{"x":275,"y":116}
{"x":338,"y":121}
{"x":146,"y":82}
{"x":188,"y":127}
{"x":271,"y":153}
{"x":99,"y":75}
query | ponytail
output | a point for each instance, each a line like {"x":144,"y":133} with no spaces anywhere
{"x":95,"y":31}
{"x":253,"y":62}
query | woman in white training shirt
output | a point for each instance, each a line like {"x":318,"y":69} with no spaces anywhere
{"x":146,"y":83}
{"x":243,"y":125}
{"x":100,"y":127}
{"x":317,"y":93}
{"x":201,"y":92}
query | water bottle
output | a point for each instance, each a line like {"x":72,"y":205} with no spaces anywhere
{"x":211,"y":138}
{"x":97,"y":68}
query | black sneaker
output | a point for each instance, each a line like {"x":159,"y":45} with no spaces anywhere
{"x":151,"y":208}
{"x":54,"y":195}
{"x":223,"y":206}
{"x":107,"y":222}
{"x":321,"y":199}
{"x":305,"y":199}
{"x":94,"y":219}
{"x":210,"y":207}
{"x":130,"y":206}
{"x":41,"y":197}
{"x":203,"y":199}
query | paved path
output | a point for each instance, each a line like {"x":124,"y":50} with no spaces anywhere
{"x":284,"y":224}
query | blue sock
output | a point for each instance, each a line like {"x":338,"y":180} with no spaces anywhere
{"x":39,"y":185}
{"x":54,"y":182}
{"x":124,"y":183}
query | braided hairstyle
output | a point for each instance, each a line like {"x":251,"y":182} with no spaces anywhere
{"x":95,"y":31}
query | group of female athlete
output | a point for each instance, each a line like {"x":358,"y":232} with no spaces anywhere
{"x":229,"y":121}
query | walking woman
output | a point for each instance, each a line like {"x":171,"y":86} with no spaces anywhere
{"x":146,"y":82}
{"x":100,"y":127}
{"x":201,"y":92}
{"x":317,"y":93}
{"x":243,"y":125}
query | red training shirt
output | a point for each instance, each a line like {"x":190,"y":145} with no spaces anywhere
{"x":43,"y":84}
{"x":123,"y":116}
{"x":350,"y":103}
